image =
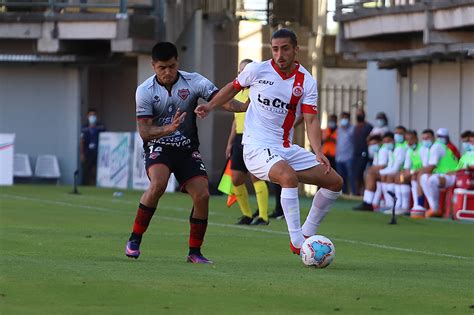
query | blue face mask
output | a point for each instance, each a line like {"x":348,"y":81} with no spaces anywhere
{"x":443,"y":140}
{"x":466,"y":146}
{"x":332,"y":125}
{"x":398,"y":138}
{"x":413,"y":146}
{"x":92,"y":119}
{"x":373,"y":148}
{"x":344,"y":122}
{"x":380,"y":122}
{"x":427,"y":143}
{"x":389,"y":146}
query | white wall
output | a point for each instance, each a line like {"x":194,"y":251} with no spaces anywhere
{"x":40,"y":104}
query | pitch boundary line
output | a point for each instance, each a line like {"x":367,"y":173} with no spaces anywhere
{"x":381,"y":246}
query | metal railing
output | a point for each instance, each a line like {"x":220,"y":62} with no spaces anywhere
{"x":348,"y":6}
{"x":335,"y":99}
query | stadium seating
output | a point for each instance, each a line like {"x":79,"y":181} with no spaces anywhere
{"x":47,"y":167}
{"x":22,"y":166}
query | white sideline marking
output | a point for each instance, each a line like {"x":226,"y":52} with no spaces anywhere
{"x":400,"y":249}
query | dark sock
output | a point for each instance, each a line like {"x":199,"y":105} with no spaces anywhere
{"x":142,"y":220}
{"x":196,"y":234}
{"x":421,"y":200}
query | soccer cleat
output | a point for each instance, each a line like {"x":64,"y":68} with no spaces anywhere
{"x":417,"y":212}
{"x":259,"y":221}
{"x":364,"y":207}
{"x":276,"y":215}
{"x":295,"y":250}
{"x":132,"y":249}
{"x":432,"y":213}
{"x":255,"y":214}
{"x":198,"y":259}
{"x":244,"y":220}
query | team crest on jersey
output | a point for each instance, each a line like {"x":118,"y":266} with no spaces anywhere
{"x":196,"y":155}
{"x":183,"y":93}
{"x":154,"y":155}
{"x":297,"y":91}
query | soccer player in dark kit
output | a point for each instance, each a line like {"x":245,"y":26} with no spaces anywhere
{"x":166,"y":121}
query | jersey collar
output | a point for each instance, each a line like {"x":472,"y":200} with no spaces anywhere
{"x":283,"y":75}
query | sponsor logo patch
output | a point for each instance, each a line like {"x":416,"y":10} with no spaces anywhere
{"x":154,"y":155}
{"x":183,"y":94}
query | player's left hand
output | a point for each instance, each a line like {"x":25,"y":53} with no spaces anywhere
{"x":202,"y":110}
{"x":324,"y":161}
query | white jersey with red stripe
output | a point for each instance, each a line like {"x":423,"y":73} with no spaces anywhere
{"x":276,"y":101}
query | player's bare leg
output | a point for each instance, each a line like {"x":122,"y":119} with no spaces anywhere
{"x":284,"y":175}
{"x":330,"y":189}
{"x":197,"y":188}
{"x":159,"y":175}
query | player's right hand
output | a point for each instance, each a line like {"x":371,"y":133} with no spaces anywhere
{"x":178,"y":118}
{"x":202,"y":111}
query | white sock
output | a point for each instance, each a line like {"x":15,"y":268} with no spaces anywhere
{"x":398,"y":195}
{"x":405,"y":193}
{"x":322,"y":201}
{"x":433,"y":198}
{"x":414,"y":192}
{"x":368,"y":196}
{"x":291,"y":208}
{"x":378,"y":194}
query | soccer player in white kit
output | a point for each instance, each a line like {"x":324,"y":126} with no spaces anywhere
{"x":281,"y":91}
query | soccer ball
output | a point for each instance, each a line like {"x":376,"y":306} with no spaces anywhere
{"x":317,"y":251}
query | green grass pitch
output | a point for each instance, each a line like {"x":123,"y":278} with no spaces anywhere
{"x":64,"y":254}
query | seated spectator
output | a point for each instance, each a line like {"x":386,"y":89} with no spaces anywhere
{"x":380,"y":154}
{"x":442,"y":161}
{"x":381,"y":125}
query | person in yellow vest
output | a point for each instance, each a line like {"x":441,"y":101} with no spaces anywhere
{"x":234,"y":151}
{"x":329,"y":140}
{"x":442,"y":161}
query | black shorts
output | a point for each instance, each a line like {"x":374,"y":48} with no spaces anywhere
{"x":237,"y":156}
{"x":184,"y":163}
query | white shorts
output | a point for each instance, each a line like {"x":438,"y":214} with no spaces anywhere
{"x":259,"y":159}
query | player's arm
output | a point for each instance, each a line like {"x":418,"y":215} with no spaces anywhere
{"x":82,"y":149}
{"x":232,"y":134}
{"x":235,"y":106}
{"x":148,"y":131}
{"x":313,"y":129}
{"x":224,"y":95}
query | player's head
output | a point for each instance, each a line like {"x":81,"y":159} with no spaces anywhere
{"x":412,"y":138}
{"x":388,"y":137}
{"x":373,"y":144}
{"x":332,"y":121}
{"x":284,"y":45}
{"x":164,"y":57}
{"x":243,"y":63}
{"x":466,"y":137}
{"x":345,"y":119}
{"x":381,"y":119}
{"x":360,"y":115}
{"x":92,"y":116}
{"x":442,"y":135}
{"x":427,"y":138}
{"x":399,"y":134}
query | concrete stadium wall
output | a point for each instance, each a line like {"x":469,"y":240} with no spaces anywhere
{"x":41,"y":105}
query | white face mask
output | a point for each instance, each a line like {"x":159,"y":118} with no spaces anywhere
{"x":398,"y":138}
{"x":332,"y":125}
{"x":380,"y":122}
{"x":443,"y":140}
{"x":344,"y":122}
{"x":466,"y":147}
{"x":373,"y":148}
{"x":92,"y":119}
{"x":427,"y":143}
{"x":389,"y":146}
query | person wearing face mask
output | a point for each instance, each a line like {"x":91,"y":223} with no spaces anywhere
{"x":379,"y":153}
{"x":381,"y":125}
{"x":361,"y":131}
{"x":411,"y":160}
{"x":345,"y":152}
{"x":395,"y":164}
{"x":329,"y":140}
{"x":88,"y":147}
{"x":442,"y":160}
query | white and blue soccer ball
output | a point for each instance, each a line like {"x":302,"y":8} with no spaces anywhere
{"x":317,"y":251}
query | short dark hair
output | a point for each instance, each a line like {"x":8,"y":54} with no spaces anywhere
{"x":402,"y":128}
{"x":412,"y":132}
{"x":164,"y":51}
{"x":467,"y":134}
{"x":430,"y":131}
{"x":91,"y":110}
{"x":381,"y":115}
{"x":377,"y":138}
{"x":286,"y":33}
{"x":333,"y":117}
{"x":388,"y":134}
{"x":346,"y":114}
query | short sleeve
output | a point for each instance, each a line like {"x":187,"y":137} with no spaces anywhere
{"x":206,"y":88}
{"x":246,"y":77}
{"x":436,"y":153}
{"x":144,"y":103}
{"x":310,"y":98}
